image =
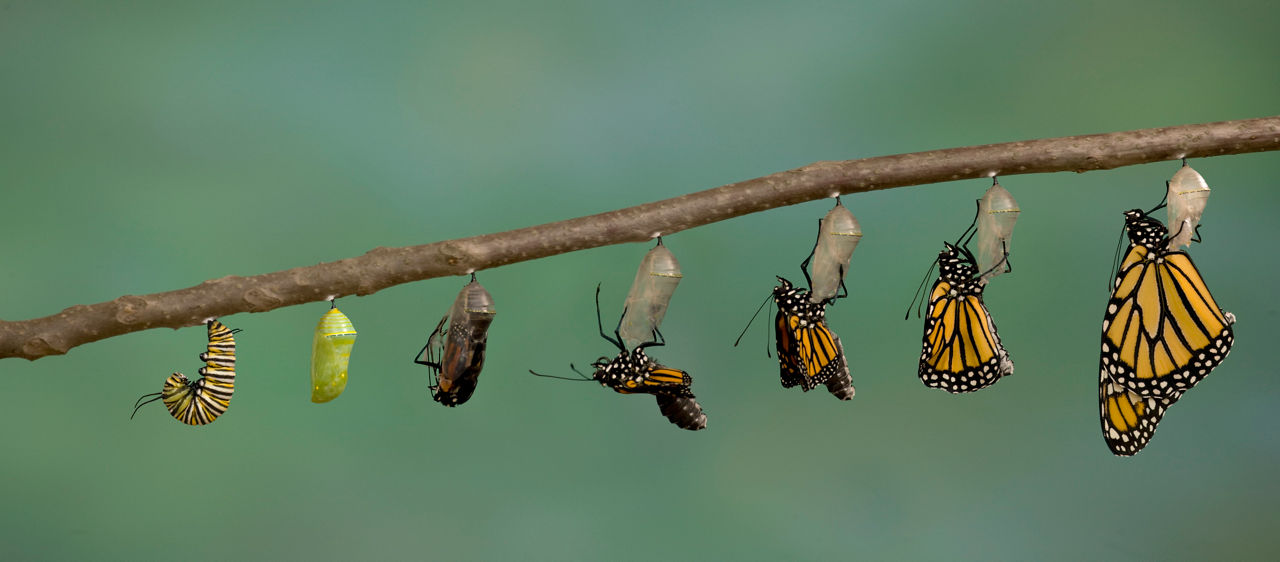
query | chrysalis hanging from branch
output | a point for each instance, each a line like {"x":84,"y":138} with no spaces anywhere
{"x":330,"y":354}
{"x":651,"y":292}
{"x":1186,"y":198}
{"x":838,"y":235}
{"x":997,"y":214}
{"x":809,"y":352}
{"x":632,"y":371}
{"x":455,"y":354}
{"x":201,"y":401}
{"x":646,"y":305}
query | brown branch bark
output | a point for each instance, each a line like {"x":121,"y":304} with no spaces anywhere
{"x":384,"y":267}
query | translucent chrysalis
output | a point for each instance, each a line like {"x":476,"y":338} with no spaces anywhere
{"x":643,"y":311}
{"x":997,"y":213}
{"x":646,"y":304}
{"x":838,"y":235}
{"x":455,"y":354}
{"x":330,"y":353}
{"x":1188,"y":194}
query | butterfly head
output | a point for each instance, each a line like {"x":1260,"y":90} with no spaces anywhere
{"x":1144,"y":230}
{"x":956,"y":264}
{"x":786,"y":295}
{"x":794,"y":301}
{"x":624,"y":363}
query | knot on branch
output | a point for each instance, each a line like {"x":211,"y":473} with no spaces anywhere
{"x":38,"y":346}
{"x":260,"y":299}
{"x":129,"y":308}
{"x":453,"y":253}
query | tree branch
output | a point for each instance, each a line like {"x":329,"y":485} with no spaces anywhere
{"x":384,"y":267}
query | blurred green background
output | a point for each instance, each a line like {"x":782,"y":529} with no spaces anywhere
{"x":148,"y":146}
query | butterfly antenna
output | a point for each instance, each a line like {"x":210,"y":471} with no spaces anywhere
{"x":753,"y":319}
{"x":570,"y":379}
{"x":927,"y":274}
{"x":766,"y":339}
{"x":1115,"y":260}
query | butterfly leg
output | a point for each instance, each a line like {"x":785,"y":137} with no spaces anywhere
{"x":433,"y":339}
{"x":843,"y":288}
{"x":804,"y":265}
{"x":1008,"y":265}
{"x":600,"y":324}
{"x":658,"y":340}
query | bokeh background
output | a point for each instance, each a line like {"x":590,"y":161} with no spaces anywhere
{"x":148,"y":146}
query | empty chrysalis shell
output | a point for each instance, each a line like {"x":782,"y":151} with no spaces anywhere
{"x":330,"y":353}
{"x":838,"y":235}
{"x":646,"y":304}
{"x":462,"y":357}
{"x":1188,"y":194}
{"x":997,"y":213}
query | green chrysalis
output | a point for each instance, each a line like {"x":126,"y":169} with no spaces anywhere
{"x":330,"y":353}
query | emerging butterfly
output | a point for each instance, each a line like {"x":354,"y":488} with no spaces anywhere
{"x":1162,"y":333}
{"x":809,"y":353}
{"x":454,"y":354}
{"x":961,"y":349}
{"x":634,"y":372}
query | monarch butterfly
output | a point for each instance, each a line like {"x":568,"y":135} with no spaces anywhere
{"x":646,"y":303}
{"x":330,"y":354}
{"x":1161,"y":334}
{"x":838,"y":236}
{"x":1187,"y":194}
{"x":455,"y":354}
{"x":809,"y":354}
{"x":997,"y":214}
{"x":961,"y":349}
{"x":634,"y":372}
{"x":201,"y":401}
